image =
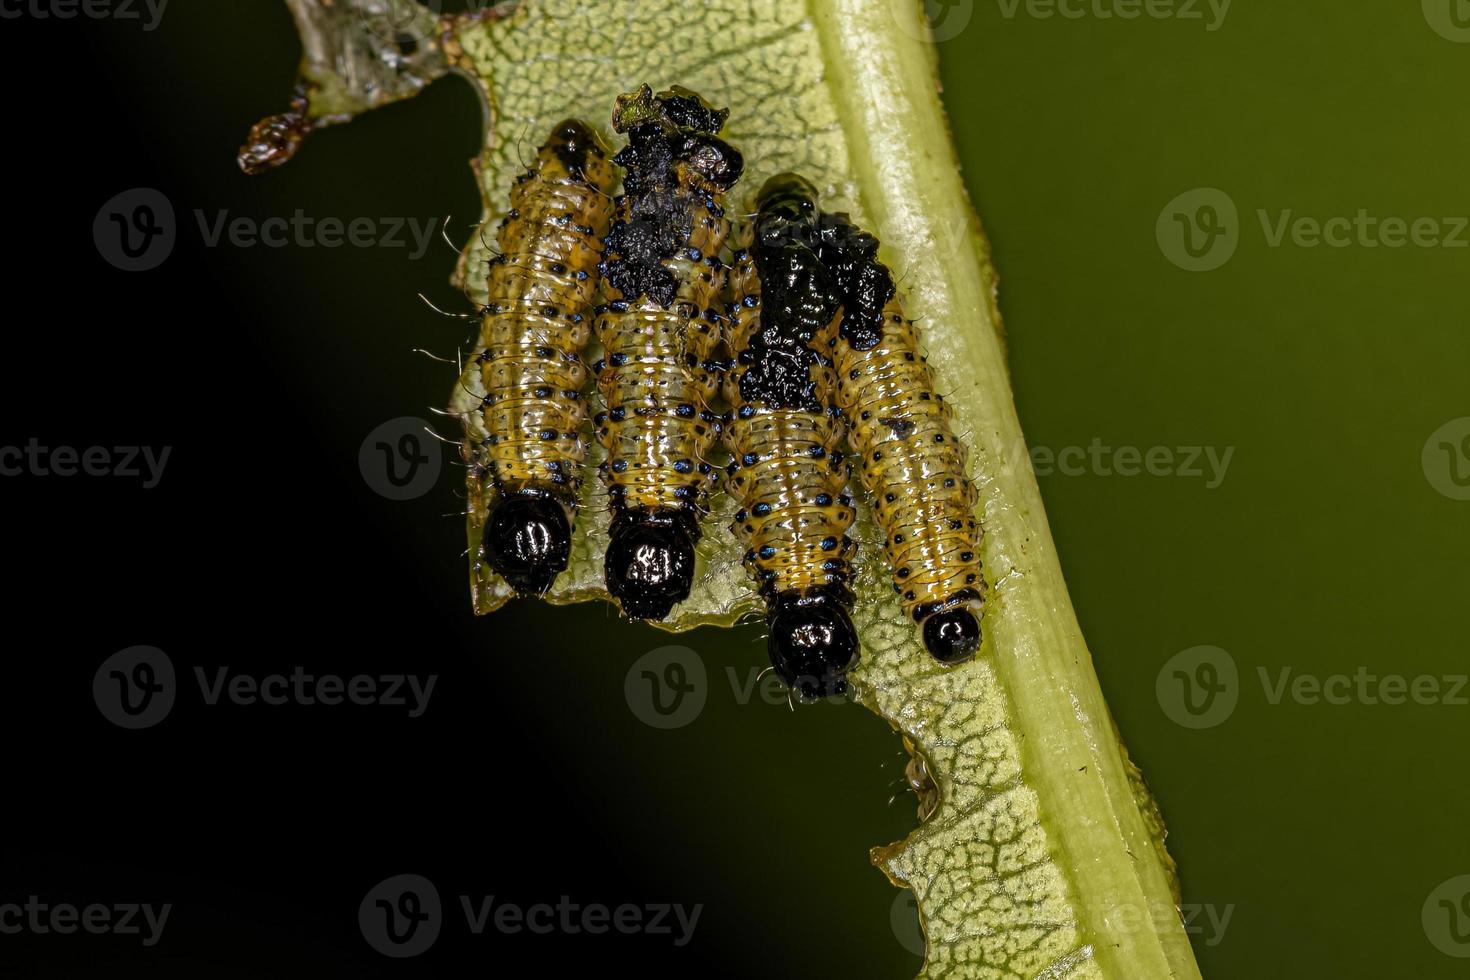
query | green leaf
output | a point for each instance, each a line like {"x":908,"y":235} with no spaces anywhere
{"x":1040,"y":853}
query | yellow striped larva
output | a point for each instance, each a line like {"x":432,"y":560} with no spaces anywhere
{"x":787,"y":470}
{"x":536,"y":323}
{"x":660,"y":330}
{"x":912,"y":464}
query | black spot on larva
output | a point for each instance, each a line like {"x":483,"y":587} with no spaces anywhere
{"x":902,"y":428}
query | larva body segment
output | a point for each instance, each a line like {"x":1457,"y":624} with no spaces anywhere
{"x":660,"y":331}
{"x":787,"y":471}
{"x":912,"y":464}
{"x":536,"y":324}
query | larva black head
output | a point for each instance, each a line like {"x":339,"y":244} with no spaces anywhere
{"x":784,"y":200}
{"x":952,"y":636}
{"x":673,"y":164}
{"x":689,"y":109}
{"x":678,"y":107}
{"x":572,"y":140}
{"x":798,"y":298}
{"x":674,"y":128}
{"x":812,"y":642}
{"x":716,"y":163}
{"x":650,"y":562}
{"x":527,"y":541}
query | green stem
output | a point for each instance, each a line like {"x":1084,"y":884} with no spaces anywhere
{"x":904,"y":163}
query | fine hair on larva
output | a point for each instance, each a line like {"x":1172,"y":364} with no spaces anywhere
{"x":536,"y":323}
{"x":913,"y":466}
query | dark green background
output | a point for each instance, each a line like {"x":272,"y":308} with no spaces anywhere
{"x":1322,"y":828}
